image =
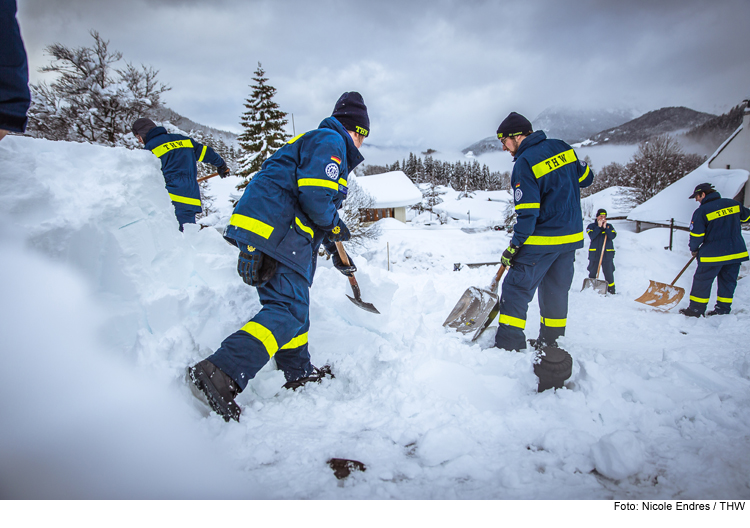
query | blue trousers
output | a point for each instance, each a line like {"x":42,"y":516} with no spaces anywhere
{"x":608,"y":267}
{"x":703,"y":279}
{"x":278,"y":330}
{"x":552,"y":274}
{"x":184,"y":217}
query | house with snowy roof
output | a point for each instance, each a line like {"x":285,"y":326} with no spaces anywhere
{"x":392,"y":192}
{"x":727,"y":169}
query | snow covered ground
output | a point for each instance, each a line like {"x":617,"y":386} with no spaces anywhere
{"x":105,"y":303}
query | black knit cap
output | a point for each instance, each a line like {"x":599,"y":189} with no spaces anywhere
{"x":142,"y":126}
{"x":350,"y":110}
{"x":702,"y":188}
{"x":514,"y":125}
{"x":601,"y":212}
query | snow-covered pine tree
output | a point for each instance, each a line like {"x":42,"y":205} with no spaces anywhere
{"x":263,"y":125}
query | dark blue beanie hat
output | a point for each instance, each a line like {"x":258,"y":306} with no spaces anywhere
{"x":514,"y":125}
{"x":350,"y":110}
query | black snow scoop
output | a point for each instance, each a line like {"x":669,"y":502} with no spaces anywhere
{"x":476,"y":308}
{"x":597,"y":284}
{"x":357,"y":299}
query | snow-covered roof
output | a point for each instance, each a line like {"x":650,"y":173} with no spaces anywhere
{"x":673,"y":202}
{"x":613,"y":199}
{"x":390,"y":189}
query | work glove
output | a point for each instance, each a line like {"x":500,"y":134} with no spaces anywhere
{"x":339,"y":232}
{"x":254,"y":267}
{"x":508,"y":255}
{"x":223,"y":171}
{"x":343,"y":268}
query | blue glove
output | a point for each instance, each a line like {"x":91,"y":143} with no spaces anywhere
{"x":223,"y":171}
{"x":339,"y":233}
{"x":508,"y":255}
{"x":343,"y":268}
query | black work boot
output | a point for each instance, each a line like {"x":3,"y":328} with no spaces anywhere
{"x":218,"y":389}
{"x":716,"y":311}
{"x":689,"y":312}
{"x":611,"y":290}
{"x":318,"y":374}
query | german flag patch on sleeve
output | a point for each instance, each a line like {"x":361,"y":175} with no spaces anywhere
{"x":336,"y":159}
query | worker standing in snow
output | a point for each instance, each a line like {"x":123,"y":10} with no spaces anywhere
{"x":179,"y":156}
{"x":716,"y":240}
{"x":14,"y":73}
{"x":287,"y":210}
{"x":597,"y":231}
{"x":546,"y":181}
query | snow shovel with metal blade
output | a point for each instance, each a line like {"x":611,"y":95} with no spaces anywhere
{"x":660,"y":294}
{"x":476,"y":308}
{"x":355,"y":287}
{"x":597,"y":284}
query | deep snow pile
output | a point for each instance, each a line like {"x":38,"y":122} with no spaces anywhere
{"x":106,"y":303}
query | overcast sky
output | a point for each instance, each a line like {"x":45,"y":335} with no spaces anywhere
{"x":434,"y":74}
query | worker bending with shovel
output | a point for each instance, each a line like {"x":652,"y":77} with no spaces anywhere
{"x":602,"y":249}
{"x":716,"y":240}
{"x":546,"y":181}
{"x":286,"y":212}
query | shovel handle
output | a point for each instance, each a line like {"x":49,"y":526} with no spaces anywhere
{"x":496,"y":279}
{"x":208,"y":177}
{"x":601,"y":257}
{"x":352,"y":281}
{"x":342,"y":253}
{"x":683,"y":271}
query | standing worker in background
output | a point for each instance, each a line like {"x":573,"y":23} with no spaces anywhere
{"x":716,"y":240}
{"x":14,"y":73}
{"x":546,"y":181}
{"x":597,"y":231}
{"x":287,"y":210}
{"x":178,"y":155}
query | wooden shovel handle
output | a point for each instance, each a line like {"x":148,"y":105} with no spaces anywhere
{"x":601,"y":257}
{"x":496,"y":279}
{"x":208,"y":177}
{"x":352,"y":281}
{"x":342,"y":253}
{"x":683,"y":271}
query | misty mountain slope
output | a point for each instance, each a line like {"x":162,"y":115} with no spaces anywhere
{"x":654,"y":123}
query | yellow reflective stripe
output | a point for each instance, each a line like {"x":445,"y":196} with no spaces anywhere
{"x":203,"y":153}
{"x":171,"y":145}
{"x":296,"y":342}
{"x":723,"y":212}
{"x":745,"y":220}
{"x":610,"y":250}
{"x":264,"y":335}
{"x":723,"y":258}
{"x":295,"y":138}
{"x":512,"y":321}
{"x":304,"y":228}
{"x":610,"y":285}
{"x":594,"y":249}
{"x":555,"y":162}
{"x":553,"y":323}
{"x":185,"y":200}
{"x":554,"y":240}
{"x":697,"y":234}
{"x":699,"y":300}
{"x":527,"y":206}
{"x":315,"y":182}
{"x":584,"y":174}
{"x":727,"y":300}
{"x":342,"y":181}
{"x":252,"y":225}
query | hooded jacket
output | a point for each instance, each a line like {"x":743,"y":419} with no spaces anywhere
{"x":291,"y":203}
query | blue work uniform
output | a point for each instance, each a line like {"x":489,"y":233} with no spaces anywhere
{"x":716,"y":235}
{"x":546,"y":182}
{"x":286,"y":212}
{"x":178,"y":155}
{"x":14,"y":72}
{"x":596,"y":237}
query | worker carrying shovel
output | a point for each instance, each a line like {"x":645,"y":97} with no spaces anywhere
{"x":716,"y":240}
{"x":598,"y":232}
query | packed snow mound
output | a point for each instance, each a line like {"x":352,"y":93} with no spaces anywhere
{"x":107,"y":303}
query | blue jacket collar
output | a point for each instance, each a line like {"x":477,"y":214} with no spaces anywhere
{"x":153,"y":133}
{"x":353,"y":156}
{"x":532,"y":139}
{"x":711,"y":197}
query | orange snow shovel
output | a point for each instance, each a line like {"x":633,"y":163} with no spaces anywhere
{"x":660,"y":294}
{"x":597,"y":284}
{"x":208,"y":177}
{"x":355,"y":287}
{"x":476,"y":308}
